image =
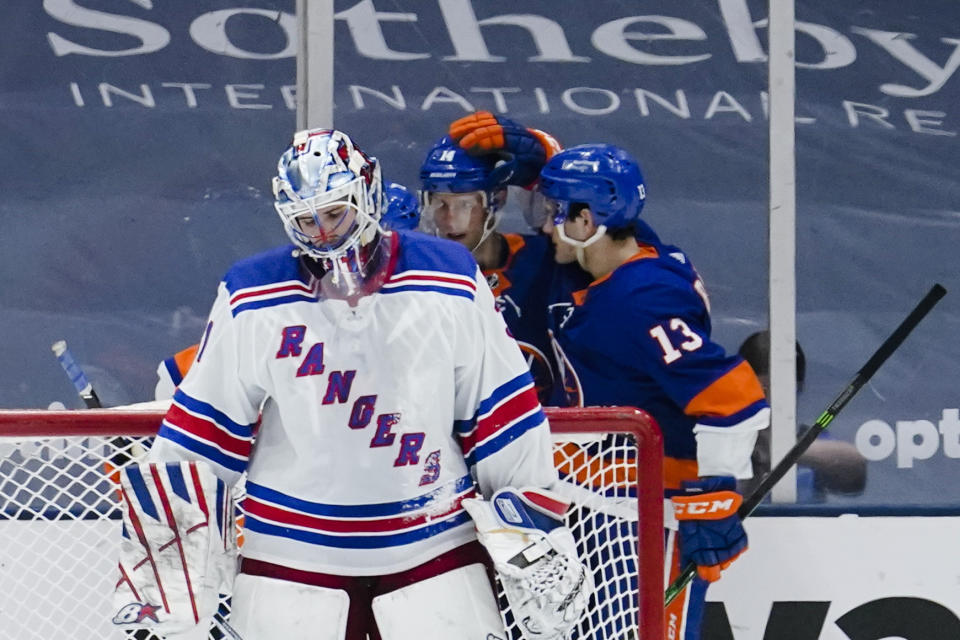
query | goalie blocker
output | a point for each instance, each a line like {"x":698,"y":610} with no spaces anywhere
{"x":535,"y":556}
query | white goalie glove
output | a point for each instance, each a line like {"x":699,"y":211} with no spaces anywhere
{"x":179,"y":549}
{"x":535,"y":556}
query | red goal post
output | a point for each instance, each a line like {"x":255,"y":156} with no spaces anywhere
{"x":58,"y":517}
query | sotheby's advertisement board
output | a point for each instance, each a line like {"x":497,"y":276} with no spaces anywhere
{"x":140,"y":139}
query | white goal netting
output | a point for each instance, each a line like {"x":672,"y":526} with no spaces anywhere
{"x":60,"y":522}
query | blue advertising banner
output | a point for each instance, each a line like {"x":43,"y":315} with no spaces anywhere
{"x":140,"y":138}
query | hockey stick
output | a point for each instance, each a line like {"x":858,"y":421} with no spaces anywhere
{"x":625,"y":508}
{"x":127,"y":449}
{"x":224,"y":627}
{"x":76,"y":375}
{"x":92,"y":401}
{"x":866,"y":372}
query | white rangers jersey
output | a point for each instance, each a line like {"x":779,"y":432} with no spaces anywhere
{"x":361,"y":429}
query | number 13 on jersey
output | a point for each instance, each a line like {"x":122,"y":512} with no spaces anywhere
{"x":688,"y":340}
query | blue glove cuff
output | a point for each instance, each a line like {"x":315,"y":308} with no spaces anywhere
{"x":710,"y":484}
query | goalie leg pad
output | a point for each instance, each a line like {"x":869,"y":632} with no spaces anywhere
{"x":456,"y":604}
{"x":267,"y":609}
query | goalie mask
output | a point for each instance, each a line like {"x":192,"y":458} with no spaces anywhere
{"x":456,"y":187}
{"x":329,"y":195}
{"x":606,"y":178}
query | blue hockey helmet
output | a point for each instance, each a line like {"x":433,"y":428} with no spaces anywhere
{"x":448,"y":168}
{"x":402,"y":208}
{"x":604,"y":177}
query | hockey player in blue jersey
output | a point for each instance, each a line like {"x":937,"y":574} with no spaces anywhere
{"x":639,"y":335}
{"x":464,"y":181}
{"x":386,"y":424}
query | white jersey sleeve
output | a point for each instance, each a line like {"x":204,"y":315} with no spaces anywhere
{"x":503,"y":431}
{"x":215,"y":410}
{"x":165,"y":386}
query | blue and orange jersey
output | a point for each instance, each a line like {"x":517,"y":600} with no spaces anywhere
{"x":171,"y":371}
{"x":179,"y":363}
{"x":521,"y":288}
{"x":640,"y":337}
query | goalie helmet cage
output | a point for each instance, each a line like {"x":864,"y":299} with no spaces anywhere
{"x":60,"y":520}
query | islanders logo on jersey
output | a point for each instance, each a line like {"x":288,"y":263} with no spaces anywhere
{"x":572,"y":390}
{"x":559,"y":313}
{"x":539,"y":366}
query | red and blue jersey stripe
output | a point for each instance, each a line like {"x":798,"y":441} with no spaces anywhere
{"x":509,"y":412}
{"x":436,"y":281}
{"x":208,"y":432}
{"x":271,"y":295}
{"x":363,"y":526}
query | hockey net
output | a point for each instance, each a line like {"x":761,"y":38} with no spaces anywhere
{"x":60,"y":520}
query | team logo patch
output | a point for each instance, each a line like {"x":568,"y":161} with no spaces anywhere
{"x":539,"y":368}
{"x":498,"y":283}
{"x":573,"y":392}
{"x":504,"y":300}
{"x":136,"y":613}
{"x":508,"y":511}
{"x":431,"y":468}
{"x":580,"y":165}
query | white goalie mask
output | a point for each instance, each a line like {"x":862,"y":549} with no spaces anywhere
{"x":329,"y":195}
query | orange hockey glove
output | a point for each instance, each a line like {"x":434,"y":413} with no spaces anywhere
{"x":524,"y":150}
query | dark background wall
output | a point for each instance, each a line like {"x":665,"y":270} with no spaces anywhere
{"x":138,"y":142}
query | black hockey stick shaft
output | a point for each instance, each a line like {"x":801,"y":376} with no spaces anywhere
{"x":866,"y":372}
